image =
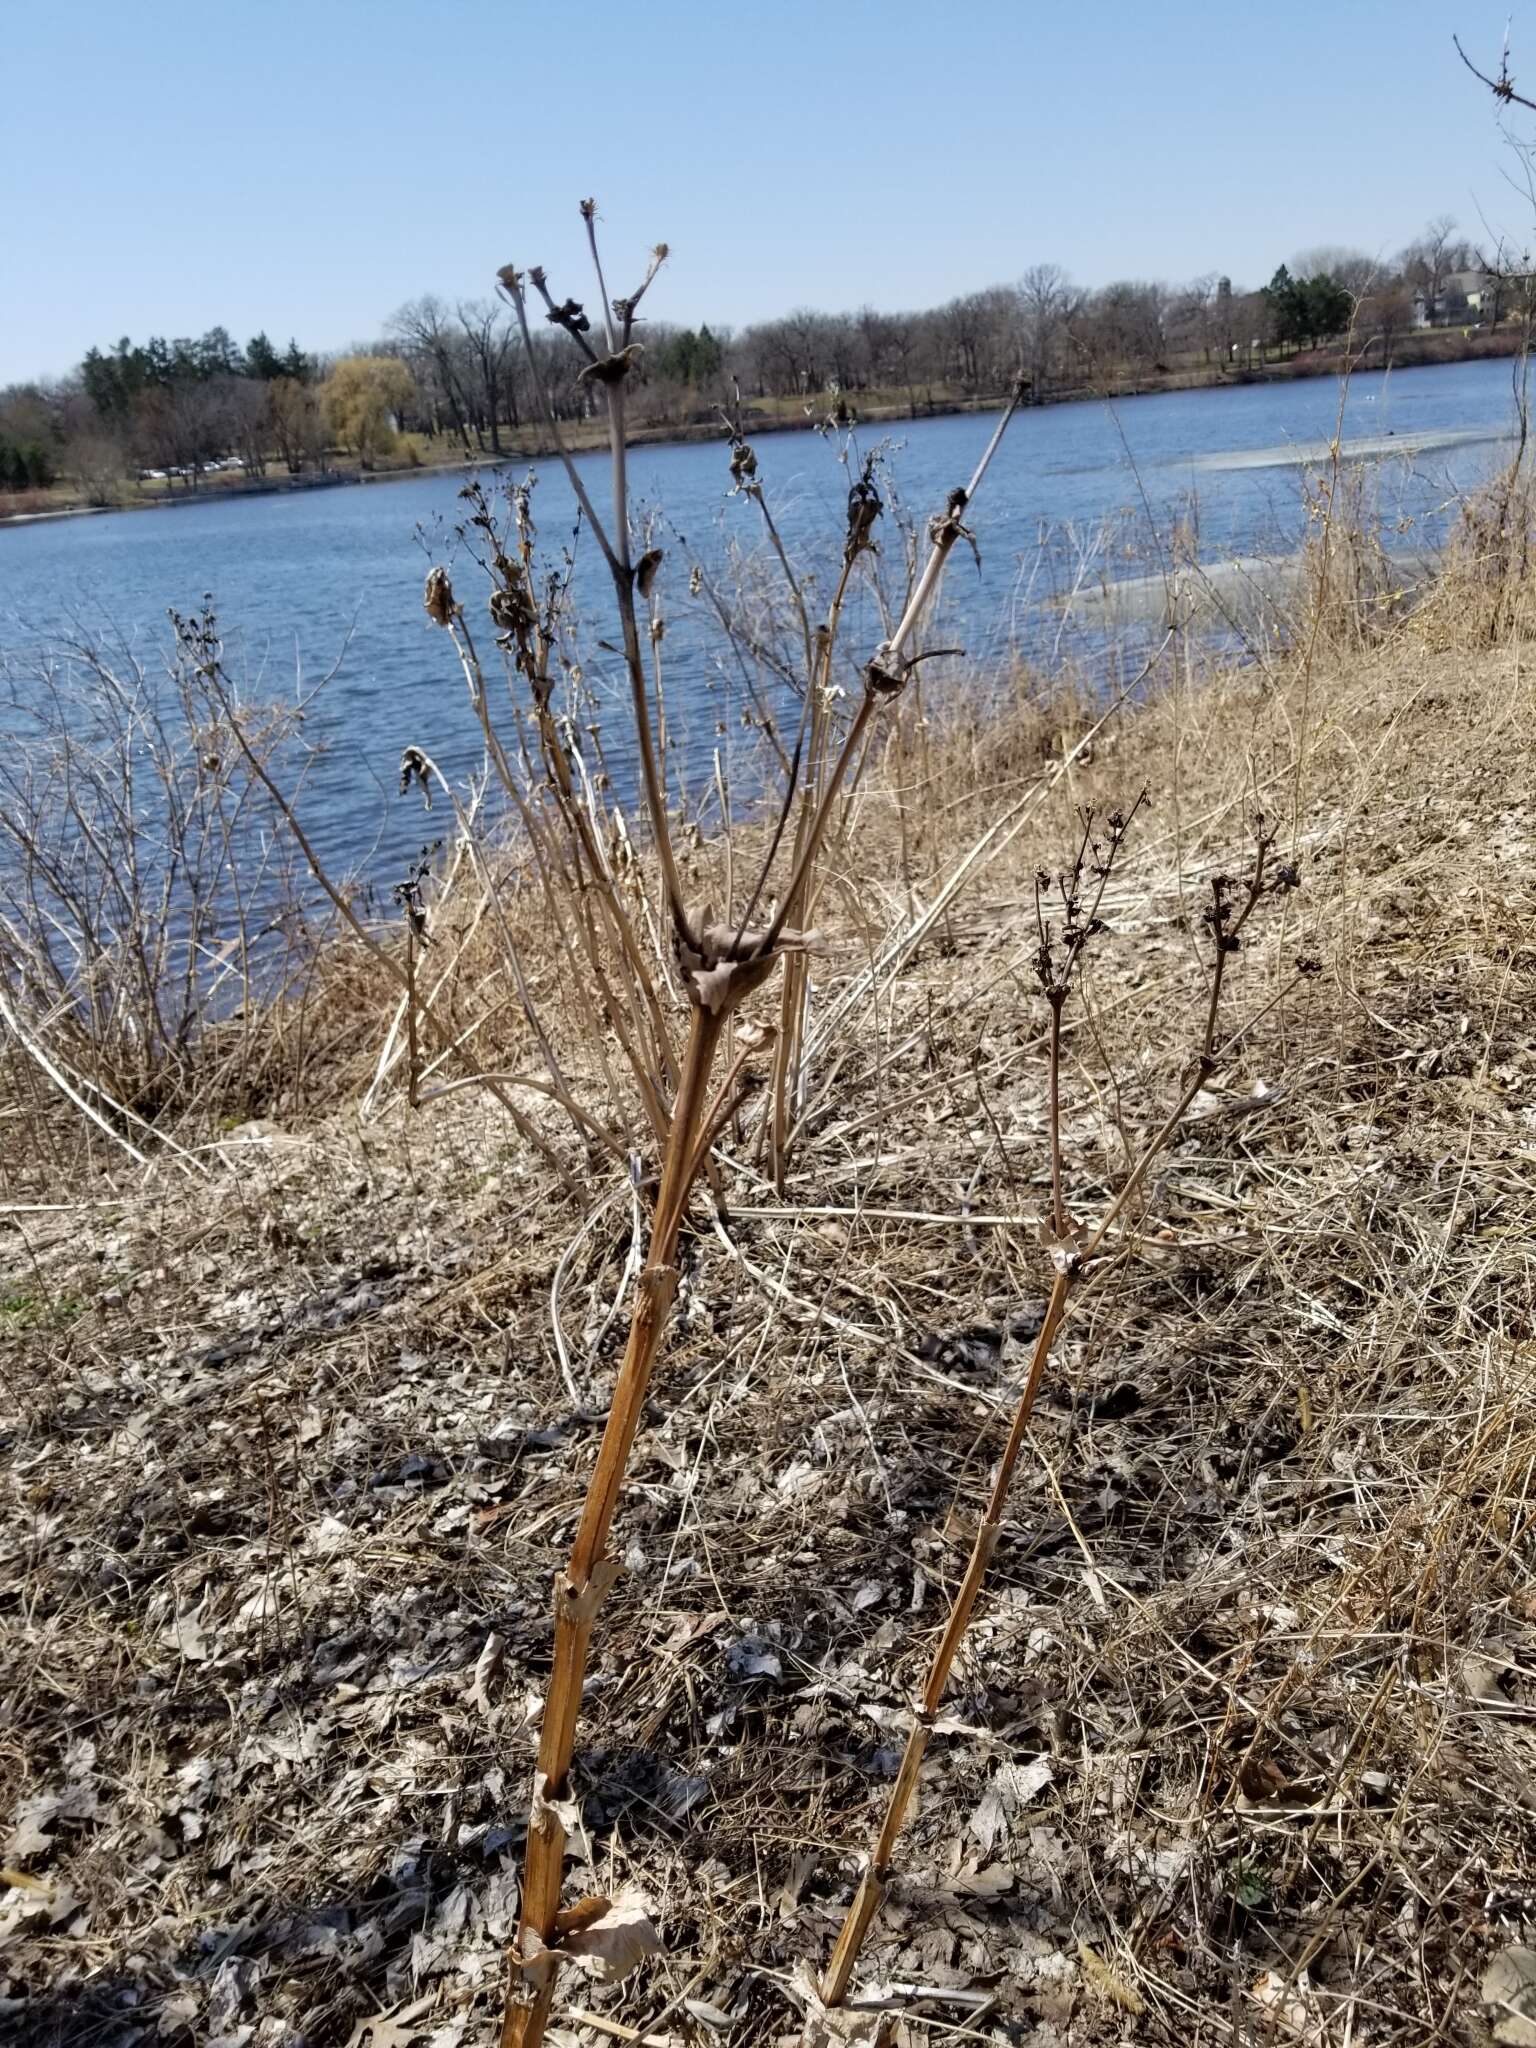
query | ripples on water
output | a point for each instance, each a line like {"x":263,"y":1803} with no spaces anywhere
{"x":1080,"y":495}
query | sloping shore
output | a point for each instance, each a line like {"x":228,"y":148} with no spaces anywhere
{"x":1245,"y":1733}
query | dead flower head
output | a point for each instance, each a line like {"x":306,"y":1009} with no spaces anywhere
{"x":743,"y":464}
{"x":438,"y":598}
{"x":413,"y":768}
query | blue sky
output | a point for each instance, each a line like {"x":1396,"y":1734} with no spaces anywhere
{"x":306,"y":167}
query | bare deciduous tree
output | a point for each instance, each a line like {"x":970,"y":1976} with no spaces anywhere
{"x":1123,"y":326}
{"x":298,"y":425}
{"x":1351,"y":268}
{"x":1430,"y":259}
{"x":425,"y":331}
{"x":1047,"y":300}
{"x":248,"y":417}
{"x":488,"y":337}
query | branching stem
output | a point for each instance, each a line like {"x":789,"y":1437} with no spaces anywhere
{"x":1071,"y":1267}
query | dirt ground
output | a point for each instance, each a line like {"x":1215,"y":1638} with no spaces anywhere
{"x":1242,"y":1745}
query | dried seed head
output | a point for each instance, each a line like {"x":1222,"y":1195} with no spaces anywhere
{"x":510,"y":609}
{"x":864,"y":508}
{"x":438,"y":598}
{"x":1217,"y":918}
{"x":408,"y":893}
{"x":945,"y":528}
{"x":743,"y":463}
{"x":413,"y":768}
{"x":645,"y":570}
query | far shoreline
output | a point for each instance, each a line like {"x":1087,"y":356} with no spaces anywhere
{"x":580,"y":441}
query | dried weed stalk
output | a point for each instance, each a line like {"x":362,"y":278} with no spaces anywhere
{"x":154,"y":961}
{"x":1068,"y":922}
{"x":602,"y":915}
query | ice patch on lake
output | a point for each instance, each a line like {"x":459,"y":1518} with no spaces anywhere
{"x":1240,"y":592}
{"x":1363,"y":448}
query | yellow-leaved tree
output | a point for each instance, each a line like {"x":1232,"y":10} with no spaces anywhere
{"x":364,"y":396}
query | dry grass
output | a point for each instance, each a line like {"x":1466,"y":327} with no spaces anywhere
{"x":159,"y":955}
{"x":1241,"y":1743}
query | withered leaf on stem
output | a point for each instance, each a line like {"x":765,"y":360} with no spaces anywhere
{"x":612,"y":369}
{"x":725,"y":965}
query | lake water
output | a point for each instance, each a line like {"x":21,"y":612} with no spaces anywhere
{"x":1079,"y":494}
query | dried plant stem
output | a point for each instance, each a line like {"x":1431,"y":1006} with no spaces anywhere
{"x":1074,"y":1254}
{"x":888,"y":672}
{"x":644,"y":1037}
{"x":212,"y":674}
{"x":424,"y":766}
{"x":413,"y":1047}
{"x":588,"y":1574}
{"x":872,"y":1886}
{"x":615,"y":552}
{"x":720,"y":965}
{"x":634,"y":667}
{"x":65,"y":1087}
{"x":787,"y":1052}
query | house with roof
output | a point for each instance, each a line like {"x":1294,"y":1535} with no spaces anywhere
{"x":1463,"y":295}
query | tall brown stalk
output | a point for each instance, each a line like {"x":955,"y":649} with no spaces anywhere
{"x":720,"y":965}
{"x":1076,"y":1250}
{"x":888,"y":674}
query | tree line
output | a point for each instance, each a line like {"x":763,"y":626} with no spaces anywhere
{"x":452,"y":371}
